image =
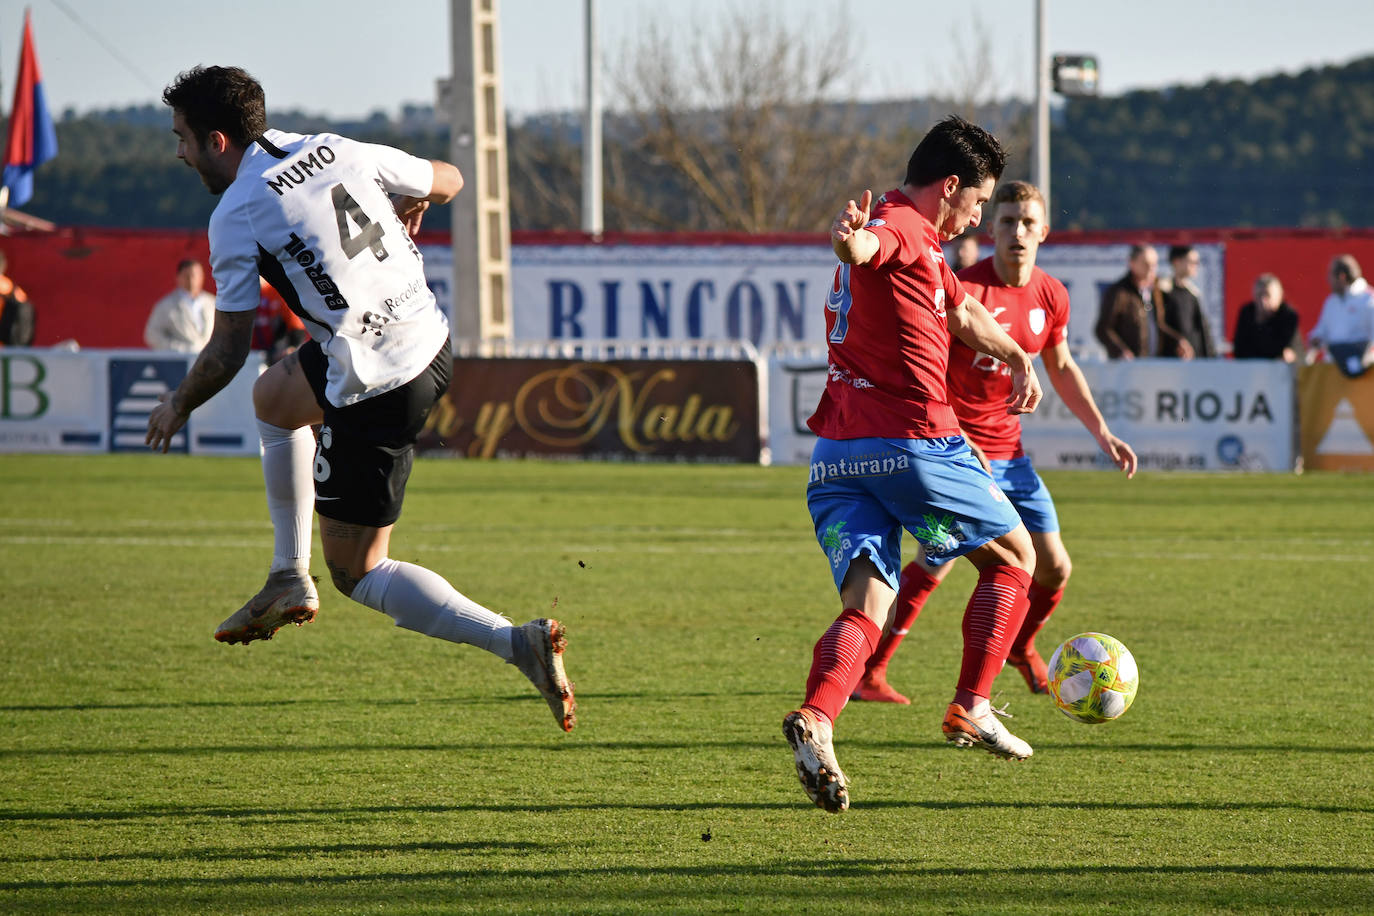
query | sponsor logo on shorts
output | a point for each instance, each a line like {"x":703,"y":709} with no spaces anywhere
{"x":876,"y":466}
{"x":836,"y":543}
{"x":939,"y":536}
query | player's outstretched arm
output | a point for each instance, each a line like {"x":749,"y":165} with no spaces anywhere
{"x":448,"y":181}
{"x":214,"y":368}
{"x":1068,"y":382}
{"x":971,"y":323}
{"x":852,"y":243}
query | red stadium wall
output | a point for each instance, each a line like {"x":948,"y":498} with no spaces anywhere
{"x":1298,"y":259}
{"x":97,"y":286}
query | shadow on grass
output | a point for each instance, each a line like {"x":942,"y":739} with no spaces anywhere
{"x":371,"y":702}
{"x":196,"y":812}
{"x":574,"y":744}
{"x":274,"y":853}
{"x":810,"y":869}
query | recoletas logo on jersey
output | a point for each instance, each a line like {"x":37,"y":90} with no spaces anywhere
{"x":1037,"y":320}
{"x":875,"y":222}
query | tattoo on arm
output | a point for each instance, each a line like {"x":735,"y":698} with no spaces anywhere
{"x":218,"y":363}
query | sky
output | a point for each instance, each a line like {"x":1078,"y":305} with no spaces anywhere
{"x":349,"y":58}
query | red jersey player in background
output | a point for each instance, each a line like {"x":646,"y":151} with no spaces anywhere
{"x":1033,"y":308}
{"x":889,"y":455}
{"x":277,"y":330}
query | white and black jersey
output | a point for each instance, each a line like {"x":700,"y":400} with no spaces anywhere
{"x":312,"y":215}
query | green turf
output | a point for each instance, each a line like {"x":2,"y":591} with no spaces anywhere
{"x":352,"y":767}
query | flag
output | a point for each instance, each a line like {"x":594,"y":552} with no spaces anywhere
{"x":33,"y":139}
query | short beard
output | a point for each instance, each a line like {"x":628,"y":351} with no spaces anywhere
{"x":214,"y":184}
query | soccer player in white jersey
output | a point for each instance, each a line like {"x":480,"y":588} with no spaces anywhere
{"x":328,"y":222}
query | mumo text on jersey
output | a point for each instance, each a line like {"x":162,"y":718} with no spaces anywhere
{"x":319,"y":159}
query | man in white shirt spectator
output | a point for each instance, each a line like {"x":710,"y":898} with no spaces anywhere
{"x":182,"y":319}
{"x":1345,"y":330}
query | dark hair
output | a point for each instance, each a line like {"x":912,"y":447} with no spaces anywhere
{"x":225,"y":99}
{"x":185,"y":263}
{"x":956,"y":147}
{"x":1346,"y":266}
{"x":1179,"y":251}
{"x":1137,"y":250}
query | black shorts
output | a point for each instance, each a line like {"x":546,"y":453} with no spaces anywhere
{"x":366,"y":450}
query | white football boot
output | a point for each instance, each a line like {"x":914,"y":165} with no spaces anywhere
{"x":813,"y":750}
{"x":288,"y":597}
{"x":537,"y":650}
{"x":964,"y":729}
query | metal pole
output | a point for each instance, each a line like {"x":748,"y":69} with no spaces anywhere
{"x":1040,"y":150}
{"x":591,"y":128}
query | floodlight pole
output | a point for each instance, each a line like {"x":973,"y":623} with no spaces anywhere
{"x":1040,"y":148}
{"x":481,"y":213}
{"x":592,"y":222}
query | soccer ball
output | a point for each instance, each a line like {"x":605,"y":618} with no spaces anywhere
{"x":1093,"y":678}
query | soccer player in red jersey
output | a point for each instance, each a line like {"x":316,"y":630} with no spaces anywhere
{"x":1033,"y":308}
{"x":889,"y":455}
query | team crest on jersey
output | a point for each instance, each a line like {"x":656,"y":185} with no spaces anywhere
{"x":1037,"y":320}
{"x":936,"y":254}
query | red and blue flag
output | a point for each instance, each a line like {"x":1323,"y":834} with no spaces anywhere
{"x":33,"y":139}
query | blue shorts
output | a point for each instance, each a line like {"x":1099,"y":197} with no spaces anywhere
{"x":1027,"y":492}
{"x":863,"y":492}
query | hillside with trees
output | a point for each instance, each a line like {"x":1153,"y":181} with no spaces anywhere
{"x":1286,"y":150}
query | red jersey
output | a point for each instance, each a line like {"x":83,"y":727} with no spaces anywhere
{"x":886,"y":332}
{"x":1036,"y":316}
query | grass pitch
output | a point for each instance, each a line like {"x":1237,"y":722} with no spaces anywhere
{"x":352,"y":767}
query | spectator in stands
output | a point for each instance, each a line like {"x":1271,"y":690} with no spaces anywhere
{"x":1267,"y":327}
{"x":16,"y":311}
{"x":1126,"y":323}
{"x":1183,"y":331}
{"x":277,"y":330}
{"x":1345,"y":330}
{"x":965,"y":251}
{"x":183,"y":319}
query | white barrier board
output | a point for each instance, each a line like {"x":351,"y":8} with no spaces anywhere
{"x":1199,"y":416}
{"x":766,"y":294}
{"x":99,"y":401}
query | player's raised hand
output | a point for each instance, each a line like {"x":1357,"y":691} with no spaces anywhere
{"x":1025,"y":392}
{"x":853,"y":216}
{"x":851,"y":245}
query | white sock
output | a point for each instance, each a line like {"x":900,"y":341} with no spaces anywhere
{"x":288,"y":460}
{"x":421,"y":600}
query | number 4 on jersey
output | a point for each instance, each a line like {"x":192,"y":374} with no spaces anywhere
{"x":369,"y":233}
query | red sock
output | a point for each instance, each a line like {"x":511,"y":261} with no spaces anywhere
{"x":992,"y":618}
{"x":1042,"y":605}
{"x":917,"y":584}
{"x":837,"y":662}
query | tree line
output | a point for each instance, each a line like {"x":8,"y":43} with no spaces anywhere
{"x":702,"y":142}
